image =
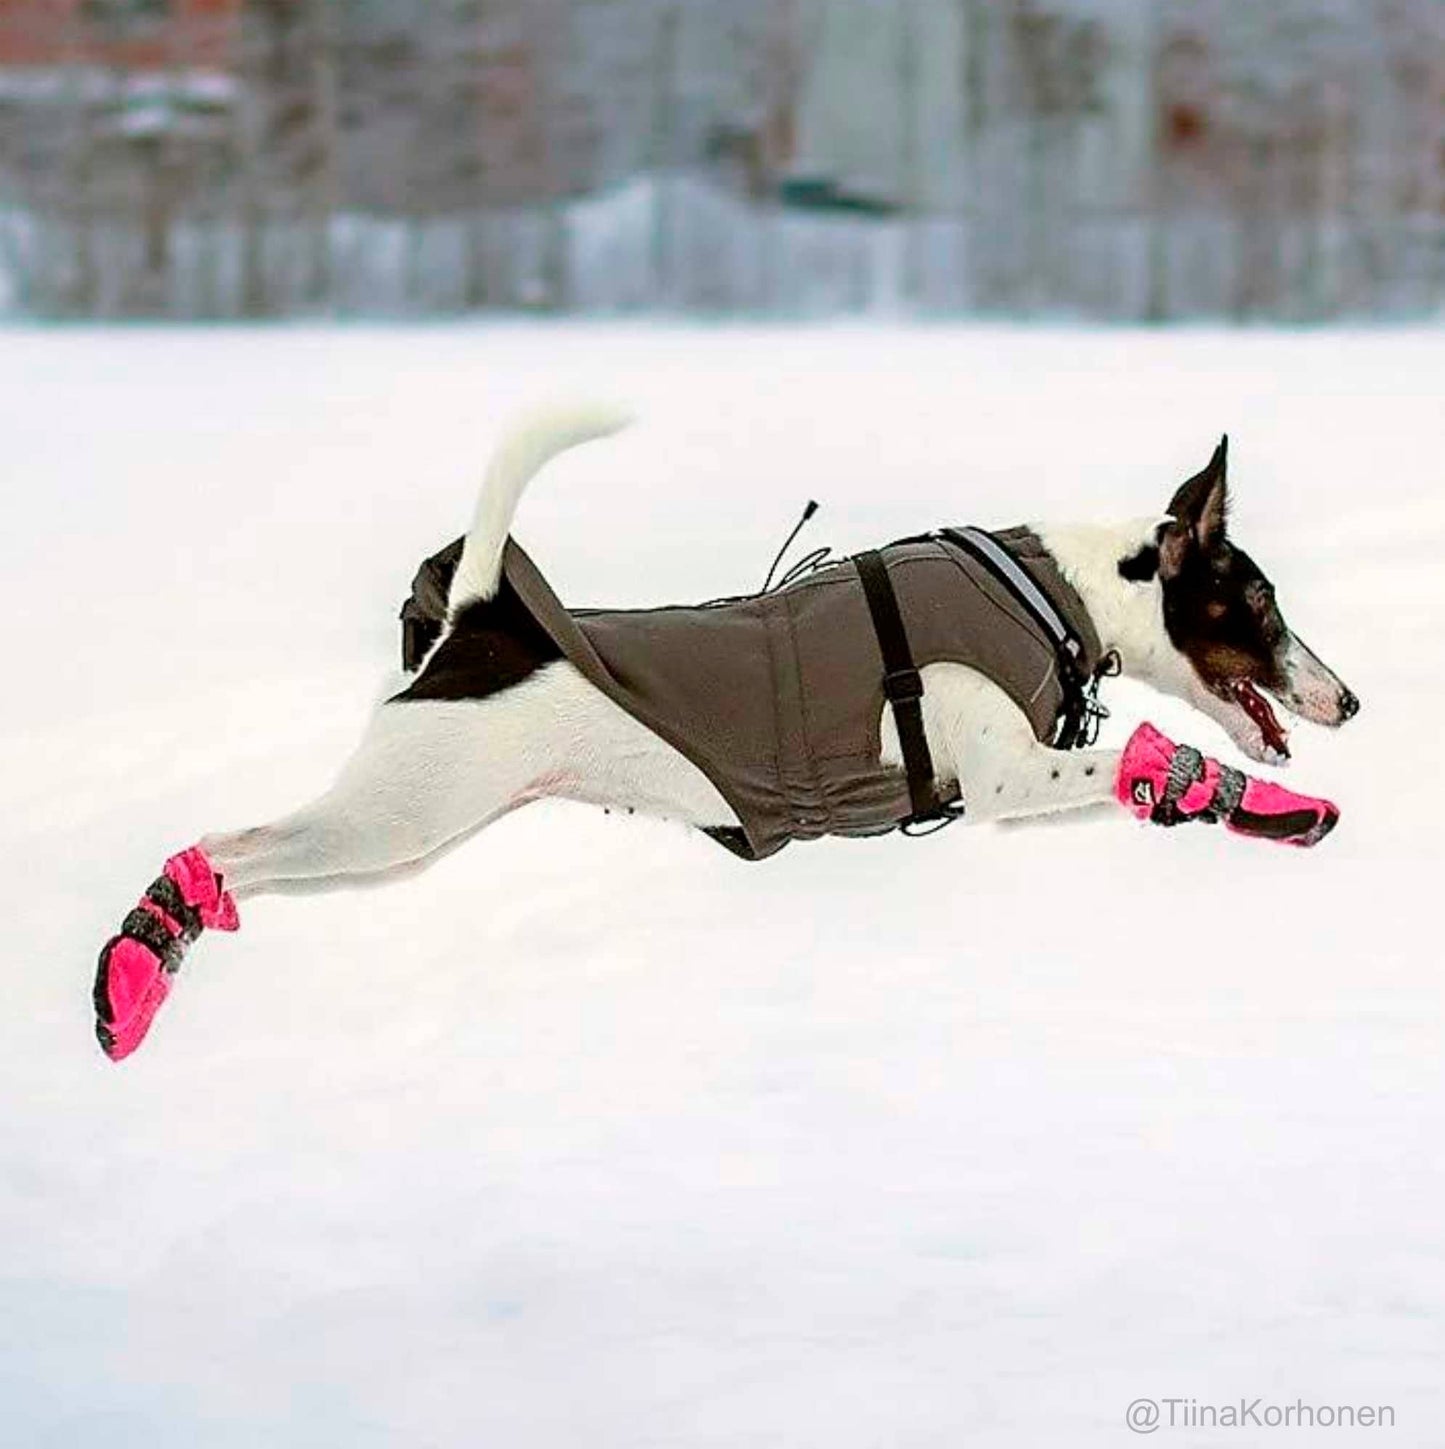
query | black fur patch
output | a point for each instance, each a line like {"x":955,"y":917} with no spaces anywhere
{"x":495,"y":645}
{"x":1219,"y":610}
{"x":1139,"y":568}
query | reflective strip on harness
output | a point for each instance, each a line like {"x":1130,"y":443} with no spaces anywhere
{"x":1067,"y":644}
{"x":1018,"y":579}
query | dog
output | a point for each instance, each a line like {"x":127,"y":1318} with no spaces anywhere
{"x":501,"y":714}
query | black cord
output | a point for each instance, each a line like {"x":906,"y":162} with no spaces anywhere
{"x":809,"y":563}
{"x":808,"y":512}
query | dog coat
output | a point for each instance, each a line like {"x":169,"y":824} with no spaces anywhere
{"x":777,"y":698}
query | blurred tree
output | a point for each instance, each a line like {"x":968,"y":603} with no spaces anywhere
{"x":1117,"y":157}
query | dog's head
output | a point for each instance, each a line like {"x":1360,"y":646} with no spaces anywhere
{"x":1221,"y":616}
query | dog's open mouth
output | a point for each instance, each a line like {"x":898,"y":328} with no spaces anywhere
{"x":1257,"y":707}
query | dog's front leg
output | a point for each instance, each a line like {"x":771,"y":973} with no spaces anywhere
{"x":1029,"y":779}
{"x":1153,"y":778}
{"x":981,"y":738}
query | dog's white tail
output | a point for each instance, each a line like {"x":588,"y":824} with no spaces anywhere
{"x":534,"y":442}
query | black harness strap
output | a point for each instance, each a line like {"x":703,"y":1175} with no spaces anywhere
{"x":902,"y":686}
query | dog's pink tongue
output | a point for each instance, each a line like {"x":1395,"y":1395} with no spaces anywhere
{"x":1257,"y":707}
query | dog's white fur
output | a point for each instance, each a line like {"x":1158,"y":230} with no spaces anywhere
{"x":1129,"y":618}
{"x":428,"y":773}
{"x":523,"y":454}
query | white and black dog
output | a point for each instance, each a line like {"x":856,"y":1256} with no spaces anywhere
{"x":498,"y":716}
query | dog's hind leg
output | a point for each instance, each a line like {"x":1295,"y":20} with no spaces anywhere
{"x":426,"y":774}
{"x":430,"y":772}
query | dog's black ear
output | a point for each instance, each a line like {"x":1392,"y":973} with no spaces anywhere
{"x":1201,"y":506}
{"x":1140,"y":567}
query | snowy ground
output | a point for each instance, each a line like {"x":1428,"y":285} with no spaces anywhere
{"x":593,"y":1136}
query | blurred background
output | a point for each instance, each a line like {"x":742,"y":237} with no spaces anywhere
{"x":1112,"y":159}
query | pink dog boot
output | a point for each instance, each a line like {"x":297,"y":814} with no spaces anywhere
{"x":1168,"y":784}
{"x":136,"y":966}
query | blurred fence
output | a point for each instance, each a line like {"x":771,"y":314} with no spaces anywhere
{"x":1108,"y":158}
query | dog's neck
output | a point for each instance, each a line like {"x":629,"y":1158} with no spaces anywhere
{"x":1127,"y":613}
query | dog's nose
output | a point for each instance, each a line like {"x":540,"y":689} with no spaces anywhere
{"x":1349,"y":706}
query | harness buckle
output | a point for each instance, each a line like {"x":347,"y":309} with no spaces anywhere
{"x":903,"y":685}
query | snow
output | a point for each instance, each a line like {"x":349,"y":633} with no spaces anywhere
{"x":593,"y":1135}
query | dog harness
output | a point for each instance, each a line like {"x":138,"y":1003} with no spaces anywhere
{"x":777,"y":697}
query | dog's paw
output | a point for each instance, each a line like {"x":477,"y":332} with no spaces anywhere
{"x":136,"y":967}
{"x":131,"y":984}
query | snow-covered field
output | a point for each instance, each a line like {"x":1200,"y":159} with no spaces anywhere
{"x":591,"y":1135}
